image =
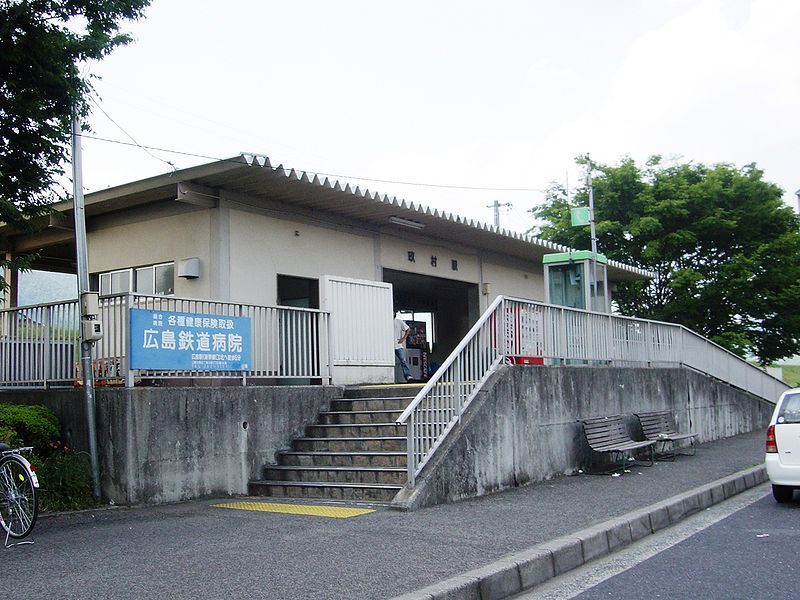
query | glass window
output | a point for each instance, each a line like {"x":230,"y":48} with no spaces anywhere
{"x":120,"y":281}
{"x":165,"y":279}
{"x":599,"y":298}
{"x":790,"y":409}
{"x":105,"y":284}
{"x":152,"y":279}
{"x":144,"y":280}
{"x":566,"y":285}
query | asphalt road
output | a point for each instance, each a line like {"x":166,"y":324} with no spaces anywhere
{"x":745,"y":548}
{"x":193,"y":550}
{"x":751,"y":554}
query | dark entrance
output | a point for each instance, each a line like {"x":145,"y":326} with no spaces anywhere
{"x":299,"y":292}
{"x":453,"y":307}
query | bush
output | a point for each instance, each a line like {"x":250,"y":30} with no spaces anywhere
{"x":34,"y":425}
{"x":65,"y":477}
{"x":10,"y":437}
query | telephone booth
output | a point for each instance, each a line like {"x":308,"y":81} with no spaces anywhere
{"x":568,"y":280}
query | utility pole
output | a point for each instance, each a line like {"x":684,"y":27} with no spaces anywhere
{"x":88,"y":304}
{"x":496,"y":205}
{"x":593,"y":275}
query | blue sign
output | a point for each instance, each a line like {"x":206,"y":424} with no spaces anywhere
{"x":175,"y":341}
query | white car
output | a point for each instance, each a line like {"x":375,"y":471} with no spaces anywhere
{"x":783,"y":446}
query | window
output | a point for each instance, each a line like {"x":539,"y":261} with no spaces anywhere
{"x":790,"y":410}
{"x":152,"y":279}
{"x":115,"y":282}
{"x":566,"y":287}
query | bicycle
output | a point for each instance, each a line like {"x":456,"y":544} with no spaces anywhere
{"x":19,"y":505}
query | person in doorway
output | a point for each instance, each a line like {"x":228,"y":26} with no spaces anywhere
{"x":401,"y":330}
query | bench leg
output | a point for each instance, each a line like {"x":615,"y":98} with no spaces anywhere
{"x":651,"y":452}
{"x":617,"y":461}
{"x":670,"y":456}
{"x":665,"y":455}
{"x":692,"y":448}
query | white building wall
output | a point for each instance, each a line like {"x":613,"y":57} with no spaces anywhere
{"x":509,"y":276}
{"x":242,"y":251}
{"x":262,"y":247}
{"x":395,"y":255}
{"x":520,"y":281}
{"x":161,"y":237}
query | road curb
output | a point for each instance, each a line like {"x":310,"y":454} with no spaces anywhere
{"x":524,"y":570}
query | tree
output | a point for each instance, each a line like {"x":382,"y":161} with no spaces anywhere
{"x":723,"y":247}
{"x":43,"y":43}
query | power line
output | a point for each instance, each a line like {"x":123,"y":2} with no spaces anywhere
{"x":334,"y":175}
{"x":122,"y":129}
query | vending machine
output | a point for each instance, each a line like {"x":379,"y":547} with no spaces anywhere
{"x":417,"y":350}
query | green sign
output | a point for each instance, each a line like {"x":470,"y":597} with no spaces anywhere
{"x":580,"y":216}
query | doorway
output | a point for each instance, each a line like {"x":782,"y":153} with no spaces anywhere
{"x":447,"y":308}
{"x":297,"y":292}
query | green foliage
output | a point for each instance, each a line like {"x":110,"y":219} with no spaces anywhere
{"x":65,"y":477}
{"x":34,"y":425}
{"x":43,"y":44}
{"x":9,"y":436}
{"x":791,"y":375}
{"x":724,"y":249}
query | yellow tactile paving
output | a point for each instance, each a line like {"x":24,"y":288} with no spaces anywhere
{"x":334,"y":512}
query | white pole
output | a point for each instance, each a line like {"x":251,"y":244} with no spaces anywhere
{"x":83,"y":287}
{"x":593,"y":275}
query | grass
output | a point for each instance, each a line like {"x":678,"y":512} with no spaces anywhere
{"x":791,"y":375}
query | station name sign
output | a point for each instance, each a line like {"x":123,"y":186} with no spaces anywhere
{"x":176,"y":341}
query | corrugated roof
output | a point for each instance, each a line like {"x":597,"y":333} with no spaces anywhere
{"x":254,"y":175}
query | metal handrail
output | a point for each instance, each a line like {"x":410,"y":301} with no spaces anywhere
{"x":38,"y":343}
{"x":512,"y":327}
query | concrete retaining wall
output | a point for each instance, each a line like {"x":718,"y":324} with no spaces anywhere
{"x":161,"y":445}
{"x":523,"y":427}
{"x":169,"y":444}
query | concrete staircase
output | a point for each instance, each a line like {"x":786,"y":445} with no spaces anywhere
{"x":354,"y":452}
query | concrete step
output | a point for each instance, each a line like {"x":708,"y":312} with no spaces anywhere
{"x":369,"y":475}
{"x":359,"y":417}
{"x":356,"y":430}
{"x":335,"y":491}
{"x":382,"y":391}
{"x":343,"y":459}
{"x":370,"y":404}
{"x":364,"y":444}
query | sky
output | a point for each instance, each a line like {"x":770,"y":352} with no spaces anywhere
{"x":471,"y":102}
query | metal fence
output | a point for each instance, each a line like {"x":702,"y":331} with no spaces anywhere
{"x":521,"y":331}
{"x":40,"y":347}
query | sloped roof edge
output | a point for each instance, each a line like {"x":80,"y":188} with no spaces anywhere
{"x":324,"y":181}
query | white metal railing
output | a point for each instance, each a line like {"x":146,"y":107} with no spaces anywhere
{"x":514,"y":330}
{"x":39,"y":345}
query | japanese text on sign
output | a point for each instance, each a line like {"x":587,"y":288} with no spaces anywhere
{"x":162,"y":340}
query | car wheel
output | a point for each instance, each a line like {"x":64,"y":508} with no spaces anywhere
{"x":782,"y":493}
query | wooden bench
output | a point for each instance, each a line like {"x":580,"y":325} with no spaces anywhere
{"x":658,"y":426}
{"x":609,"y":435}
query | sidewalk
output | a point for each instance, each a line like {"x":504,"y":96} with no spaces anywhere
{"x":570,"y":548}
{"x":466,"y":542}
{"x":193,"y":549}
{"x":396,"y":554}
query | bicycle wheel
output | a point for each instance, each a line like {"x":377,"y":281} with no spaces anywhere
{"x":18,"y":503}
